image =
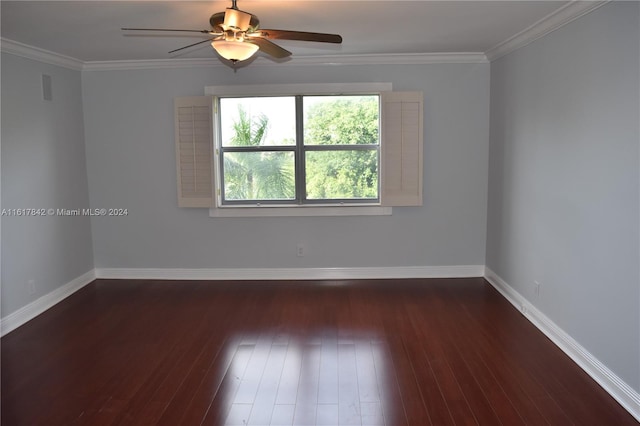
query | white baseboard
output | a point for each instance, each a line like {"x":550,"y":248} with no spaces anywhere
{"x":465,"y":271}
{"x":38,"y":306}
{"x":610,"y":382}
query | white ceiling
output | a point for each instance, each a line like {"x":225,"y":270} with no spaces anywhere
{"x":90,"y":30}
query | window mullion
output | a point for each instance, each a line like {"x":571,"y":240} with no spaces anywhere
{"x":341,"y":147}
{"x":262,"y":148}
{"x":300,"y":154}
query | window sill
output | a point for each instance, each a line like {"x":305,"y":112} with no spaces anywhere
{"x":302,"y":211}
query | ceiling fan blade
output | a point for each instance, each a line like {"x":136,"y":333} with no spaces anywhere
{"x":297,"y":35}
{"x":191,"y":45}
{"x":270,"y":48}
{"x":168,"y":29}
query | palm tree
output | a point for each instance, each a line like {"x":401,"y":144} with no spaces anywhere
{"x":256,"y":175}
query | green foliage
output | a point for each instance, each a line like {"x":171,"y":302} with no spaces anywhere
{"x":248,"y":131}
{"x":342,"y":174}
{"x":350,"y":174}
{"x":256,"y":175}
{"x":350,"y":120}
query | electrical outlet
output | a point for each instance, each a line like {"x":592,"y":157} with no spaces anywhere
{"x":31,"y":286}
{"x":536,"y":288}
{"x":300,"y":250}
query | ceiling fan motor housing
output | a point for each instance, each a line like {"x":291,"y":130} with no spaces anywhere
{"x":237,"y":20}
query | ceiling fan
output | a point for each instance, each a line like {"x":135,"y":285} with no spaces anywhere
{"x":236,"y":36}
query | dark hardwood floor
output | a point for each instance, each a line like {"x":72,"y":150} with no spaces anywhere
{"x":393,"y":352}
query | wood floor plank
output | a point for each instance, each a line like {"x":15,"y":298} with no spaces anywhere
{"x":366,"y":373}
{"x":489,"y":353}
{"x":282,"y":415}
{"x":225,"y":395}
{"x":359,"y":352}
{"x":307,"y":394}
{"x":426,"y":317}
{"x":148,"y":404}
{"x":539,"y":363}
{"x":435,"y":403}
{"x":203,"y":395}
{"x":328,"y":415}
{"x":265,"y":398}
{"x":328,"y":376}
{"x":191,"y":386}
{"x":90,"y":382}
{"x":290,"y":377}
{"x":409,"y":390}
{"x":391,"y":402}
{"x":255,"y":370}
{"x":349,"y":412}
{"x":495,"y":394}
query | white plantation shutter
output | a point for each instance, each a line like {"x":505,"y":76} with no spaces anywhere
{"x":401,"y":148}
{"x":194,"y":147}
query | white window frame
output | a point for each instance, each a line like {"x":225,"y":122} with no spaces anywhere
{"x":401,"y":151}
{"x":257,"y":210}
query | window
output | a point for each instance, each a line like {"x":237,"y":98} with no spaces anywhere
{"x":299,"y":149}
{"x":337,"y":149}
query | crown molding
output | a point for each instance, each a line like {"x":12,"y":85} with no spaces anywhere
{"x":41,"y":55}
{"x":145,"y":64}
{"x":558,"y":18}
{"x":390,"y":59}
{"x":31,"y":52}
{"x":544,"y":26}
{"x":386,"y":59}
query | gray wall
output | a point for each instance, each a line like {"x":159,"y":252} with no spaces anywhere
{"x":564,"y":181}
{"x":131,"y":164}
{"x":43,"y":166}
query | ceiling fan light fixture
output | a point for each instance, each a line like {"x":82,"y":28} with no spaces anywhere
{"x":234,"y":50}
